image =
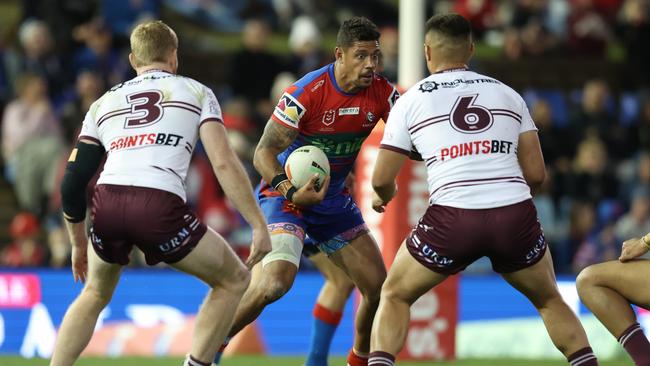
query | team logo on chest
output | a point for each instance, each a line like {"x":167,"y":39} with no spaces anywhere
{"x":370,"y":117}
{"x":328,"y":117}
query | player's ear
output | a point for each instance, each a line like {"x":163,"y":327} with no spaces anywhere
{"x":338,"y":54}
{"x":427,"y":52}
{"x":132,"y":60}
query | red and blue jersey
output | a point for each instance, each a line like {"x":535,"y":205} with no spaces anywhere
{"x":335,"y":121}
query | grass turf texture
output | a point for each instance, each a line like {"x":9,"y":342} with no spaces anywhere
{"x":285,"y":361}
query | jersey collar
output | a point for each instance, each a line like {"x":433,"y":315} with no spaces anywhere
{"x":330,"y":71}
{"x":452,"y":70}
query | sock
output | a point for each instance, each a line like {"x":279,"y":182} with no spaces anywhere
{"x":583,"y":357}
{"x":325,"y":324}
{"x":191,"y":361}
{"x":636,"y":344}
{"x":355,"y":359}
{"x":379,"y":358}
{"x":217,"y":357}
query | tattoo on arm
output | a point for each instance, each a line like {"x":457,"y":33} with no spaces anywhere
{"x":277,"y":137}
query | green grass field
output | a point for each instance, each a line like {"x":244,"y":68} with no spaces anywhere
{"x":283,"y":361}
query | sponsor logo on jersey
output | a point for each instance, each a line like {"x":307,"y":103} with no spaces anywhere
{"x":392,"y":98}
{"x":430,"y":86}
{"x":480,"y":147}
{"x":348,"y":111}
{"x":328,"y":117}
{"x":332,"y":147}
{"x":289,"y":110}
{"x":370,"y":117}
{"x":145,"y":139}
{"x":317,"y":85}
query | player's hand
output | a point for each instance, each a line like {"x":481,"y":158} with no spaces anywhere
{"x":309,"y":195}
{"x":79,"y":263}
{"x":632,"y":248}
{"x":378,"y":204}
{"x":260,"y":247}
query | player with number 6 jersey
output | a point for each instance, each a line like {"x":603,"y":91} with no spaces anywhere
{"x":483,"y":157}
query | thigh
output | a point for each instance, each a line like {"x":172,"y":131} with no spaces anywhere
{"x":362,"y":262}
{"x":536,"y":282}
{"x":408,"y":279}
{"x":212,"y":260}
{"x":329,"y":270}
{"x":516,"y":237}
{"x":628,"y":279}
{"x":102,"y":276}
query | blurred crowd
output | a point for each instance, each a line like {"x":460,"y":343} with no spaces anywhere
{"x":62,"y":55}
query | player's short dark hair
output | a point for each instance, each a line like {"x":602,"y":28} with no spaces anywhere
{"x":450,"y":25}
{"x":356,"y":29}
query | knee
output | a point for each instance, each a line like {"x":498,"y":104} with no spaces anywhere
{"x":274,"y":289}
{"x":587,"y":278}
{"x":372,"y":290}
{"x":98,"y":297}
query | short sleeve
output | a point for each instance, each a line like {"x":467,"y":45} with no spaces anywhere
{"x":396,"y":133}
{"x":527,"y":123}
{"x":210,"y":109}
{"x":290,"y":109}
{"x":392,"y":98}
{"x":89,"y":130}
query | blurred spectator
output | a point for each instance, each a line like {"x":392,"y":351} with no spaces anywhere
{"x":636,"y":222}
{"x":31,"y":143}
{"x":643,"y":124}
{"x":305,"y":46}
{"x":253,"y":69}
{"x":99,"y":54}
{"x":582,"y":224}
{"x":389,"y":45}
{"x":480,"y":13}
{"x":88,"y":88}
{"x":551,"y":138}
{"x":37,"y":56}
{"x":61,"y":17}
{"x":590,"y":179}
{"x":600,"y":247}
{"x":634,"y":32}
{"x":24,"y":250}
{"x":123,"y":15}
{"x":588,"y":29}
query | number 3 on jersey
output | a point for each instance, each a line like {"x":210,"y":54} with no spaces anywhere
{"x":145,"y":108}
{"x":467,"y":117}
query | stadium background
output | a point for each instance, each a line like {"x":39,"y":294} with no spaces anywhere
{"x":580,"y":65}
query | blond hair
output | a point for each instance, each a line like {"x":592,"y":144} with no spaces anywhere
{"x":152,"y":42}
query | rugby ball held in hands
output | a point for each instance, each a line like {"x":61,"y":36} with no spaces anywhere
{"x":305,"y":162}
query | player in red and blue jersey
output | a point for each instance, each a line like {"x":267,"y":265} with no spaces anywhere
{"x":335,"y":108}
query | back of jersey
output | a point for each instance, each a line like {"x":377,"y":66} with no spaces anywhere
{"x":149,"y":127}
{"x":466,"y":126}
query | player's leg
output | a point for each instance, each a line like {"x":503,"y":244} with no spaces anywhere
{"x":363,"y":263}
{"x":329,"y":306}
{"x":407,"y":281}
{"x":215,"y":263}
{"x":271,"y":278}
{"x":608,"y":289}
{"x":79,"y":321}
{"x":538,"y":284}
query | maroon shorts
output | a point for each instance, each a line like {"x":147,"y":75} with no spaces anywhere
{"x":158,"y":222}
{"x":448,"y":239}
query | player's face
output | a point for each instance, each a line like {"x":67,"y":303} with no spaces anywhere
{"x":360,"y":62}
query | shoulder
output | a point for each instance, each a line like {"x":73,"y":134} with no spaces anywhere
{"x":311,"y":83}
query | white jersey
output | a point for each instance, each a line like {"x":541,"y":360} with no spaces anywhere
{"x":466,"y":126}
{"x":149,"y":126}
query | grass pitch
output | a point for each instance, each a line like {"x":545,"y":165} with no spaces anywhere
{"x":284,"y":361}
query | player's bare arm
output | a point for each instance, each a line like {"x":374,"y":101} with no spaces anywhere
{"x":231,"y":174}
{"x":529,"y":154}
{"x":387,"y":167}
{"x":275,"y":139}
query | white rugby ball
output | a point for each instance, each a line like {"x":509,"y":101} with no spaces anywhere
{"x":304,"y":162}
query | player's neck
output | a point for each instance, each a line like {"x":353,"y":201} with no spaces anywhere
{"x":447,"y":66}
{"x":158,"y":66}
{"x":345,"y":82}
